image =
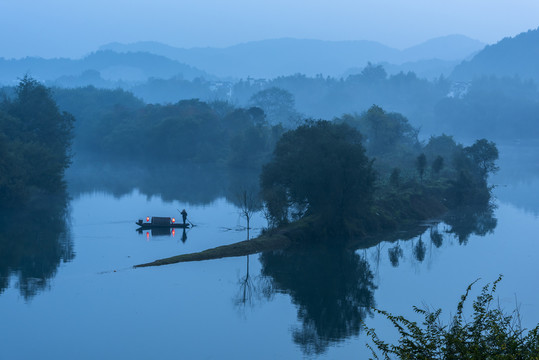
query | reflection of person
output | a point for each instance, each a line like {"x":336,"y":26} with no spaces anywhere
{"x":184,"y":236}
{"x":184,"y":215}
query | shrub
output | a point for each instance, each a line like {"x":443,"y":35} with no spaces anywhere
{"x":489,"y":334}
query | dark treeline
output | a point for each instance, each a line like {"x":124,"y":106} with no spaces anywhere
{"x":345,"y":170}
{"x":501,"y":108}
{"x":495,"y":107}
{"x":354,"y":175}
{"x":114,"y":125}
{"x":35,"y":141}
{"x":326,"y":97}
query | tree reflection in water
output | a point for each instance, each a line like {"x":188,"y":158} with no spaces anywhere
{"x":192,"y":183}
{"x":460,"y":224}
{"x":471,"y":220}
{"x":333,"y":289}
{"x":247,"y":289}
{"x":395,"y":254}
{"x":33,"y":243}
{"x":420,"y":250}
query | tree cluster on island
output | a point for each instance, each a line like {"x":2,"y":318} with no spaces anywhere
{"x":361,"y":174}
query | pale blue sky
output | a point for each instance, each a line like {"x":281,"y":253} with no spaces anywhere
{"x":73,"y":28}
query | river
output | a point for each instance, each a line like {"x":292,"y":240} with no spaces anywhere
{"x":69,"y":291}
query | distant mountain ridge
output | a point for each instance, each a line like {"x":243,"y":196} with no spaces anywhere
{"x":447,"y":48}
{"x":511,"y":56}
{"x":114,"y":66}
{"x":286,"y":56}
{"x":117,"y":64}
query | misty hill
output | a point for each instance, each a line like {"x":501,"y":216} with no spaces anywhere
{"x":278,"y":57}
{"x":448,"y":48}
{"x":273,"y":58}
{"x":509,"y":57}
{"x":111,"y":66}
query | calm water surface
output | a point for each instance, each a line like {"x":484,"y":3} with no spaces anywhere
{"x":76,"y":295}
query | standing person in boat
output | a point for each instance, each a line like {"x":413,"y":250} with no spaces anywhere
{"x":184,"y":216}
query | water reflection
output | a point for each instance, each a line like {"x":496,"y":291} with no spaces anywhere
{"x":332,"y":288}
{"x":468,"y":221}
{"x":459,"y":224}
{"x":420,"y":250}
{"x":163,"y":232}
{"x":518,"y":178}
{"x":395,"y":254}
{"x":33,"y":243}
{"x":251,"y":289}
{"x":191,"y":183}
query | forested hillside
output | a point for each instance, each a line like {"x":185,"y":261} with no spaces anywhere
{"x":516,"y":56}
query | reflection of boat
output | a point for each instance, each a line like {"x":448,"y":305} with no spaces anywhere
{"x":157,"y":231}
{"x":162,"y":232}
{"x":160,"y":222}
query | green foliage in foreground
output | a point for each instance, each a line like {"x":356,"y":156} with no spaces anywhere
{"x":489,"y":334}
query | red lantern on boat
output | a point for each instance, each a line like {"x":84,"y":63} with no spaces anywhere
{"x":173,"y":220}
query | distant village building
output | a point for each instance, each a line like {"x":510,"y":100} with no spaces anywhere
{"x":459,"y":89}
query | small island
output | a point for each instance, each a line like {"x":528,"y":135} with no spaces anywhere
{"x":348,"y":181}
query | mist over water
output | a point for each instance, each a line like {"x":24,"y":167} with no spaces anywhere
{"x":308,"y":302}
{"x":400,"y":167}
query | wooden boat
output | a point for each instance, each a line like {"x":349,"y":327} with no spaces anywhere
{"x":160,"y":222}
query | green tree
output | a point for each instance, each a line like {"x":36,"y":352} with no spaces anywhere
{"x":36,"y":142}
{"x":395,"y":177}
{"x":278,"y":105}
{"x":421,"y":164}
{"x":319,"y":169}
{"x":373,"y":73}
{"x":443,"y":145}
{"x":385,"y":132}
{"x":437,"y":165}
{"x":484,"y":154}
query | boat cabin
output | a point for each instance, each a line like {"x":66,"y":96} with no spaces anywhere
{"x":157,"y":221}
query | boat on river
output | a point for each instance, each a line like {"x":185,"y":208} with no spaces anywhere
{"x":160,"y":222}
